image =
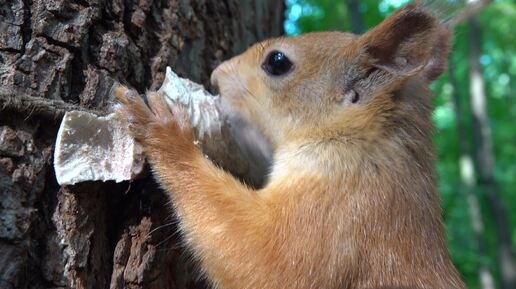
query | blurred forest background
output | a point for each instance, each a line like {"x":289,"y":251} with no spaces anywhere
{"x":474,"y":115}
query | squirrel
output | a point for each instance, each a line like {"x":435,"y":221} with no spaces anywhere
{"x":351,"y":200}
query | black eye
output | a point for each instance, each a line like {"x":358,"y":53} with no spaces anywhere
{"x":277,"y":63}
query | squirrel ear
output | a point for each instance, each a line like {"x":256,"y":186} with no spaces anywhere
{"x":408,"y":42}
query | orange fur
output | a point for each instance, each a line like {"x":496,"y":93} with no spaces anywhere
{"x":351,"y":201}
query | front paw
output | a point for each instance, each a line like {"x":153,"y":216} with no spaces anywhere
{"x":160,"y":128}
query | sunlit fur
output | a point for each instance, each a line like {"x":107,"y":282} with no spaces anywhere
{"x":351,"y":201}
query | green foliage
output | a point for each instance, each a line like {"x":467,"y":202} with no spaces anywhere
{"x":499,"y":70}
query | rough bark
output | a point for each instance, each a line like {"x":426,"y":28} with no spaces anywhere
{"x":56,"y":55}
{"x":484,"y":159}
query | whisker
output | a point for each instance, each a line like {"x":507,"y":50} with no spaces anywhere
{"x":160,"y":227}
{"x":165,"y":240}
{"x":171,"y":248}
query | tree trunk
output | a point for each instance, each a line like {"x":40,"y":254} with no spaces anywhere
{"x":67,"y":54}
{"x":467,"y":174}
{"x":484,"y":159}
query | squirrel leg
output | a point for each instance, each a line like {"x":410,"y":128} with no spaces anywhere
{"x":227,"y":224}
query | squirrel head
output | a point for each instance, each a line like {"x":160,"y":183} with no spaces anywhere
{"x":330,"y":85}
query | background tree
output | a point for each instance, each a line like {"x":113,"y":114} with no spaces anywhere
{"x":357,"y":23}
{"x":484,"y":157}
{"x":467,"y":186}
{"x":57,"y":55}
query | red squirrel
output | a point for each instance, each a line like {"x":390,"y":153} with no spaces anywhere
{"x":351,"y":200}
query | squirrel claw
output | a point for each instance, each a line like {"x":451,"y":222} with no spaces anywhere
{"x":155,"y":124}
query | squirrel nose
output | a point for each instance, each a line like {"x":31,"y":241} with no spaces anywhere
{"x":222,"y":71}
{"x":215,"y":76}
{"x":214,"y":79}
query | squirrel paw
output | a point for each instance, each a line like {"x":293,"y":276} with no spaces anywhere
{"x":159,"y":127}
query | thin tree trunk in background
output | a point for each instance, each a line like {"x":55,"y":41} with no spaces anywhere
{"x":484,"y":158}
{"x":467,"y":174}
{"x":357,"y":23}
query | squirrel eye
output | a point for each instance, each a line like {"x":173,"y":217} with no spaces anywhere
{"x":277,"y":63}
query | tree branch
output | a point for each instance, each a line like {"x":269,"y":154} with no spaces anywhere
{"x":33,"y":105}
{"x":469,"y":11}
